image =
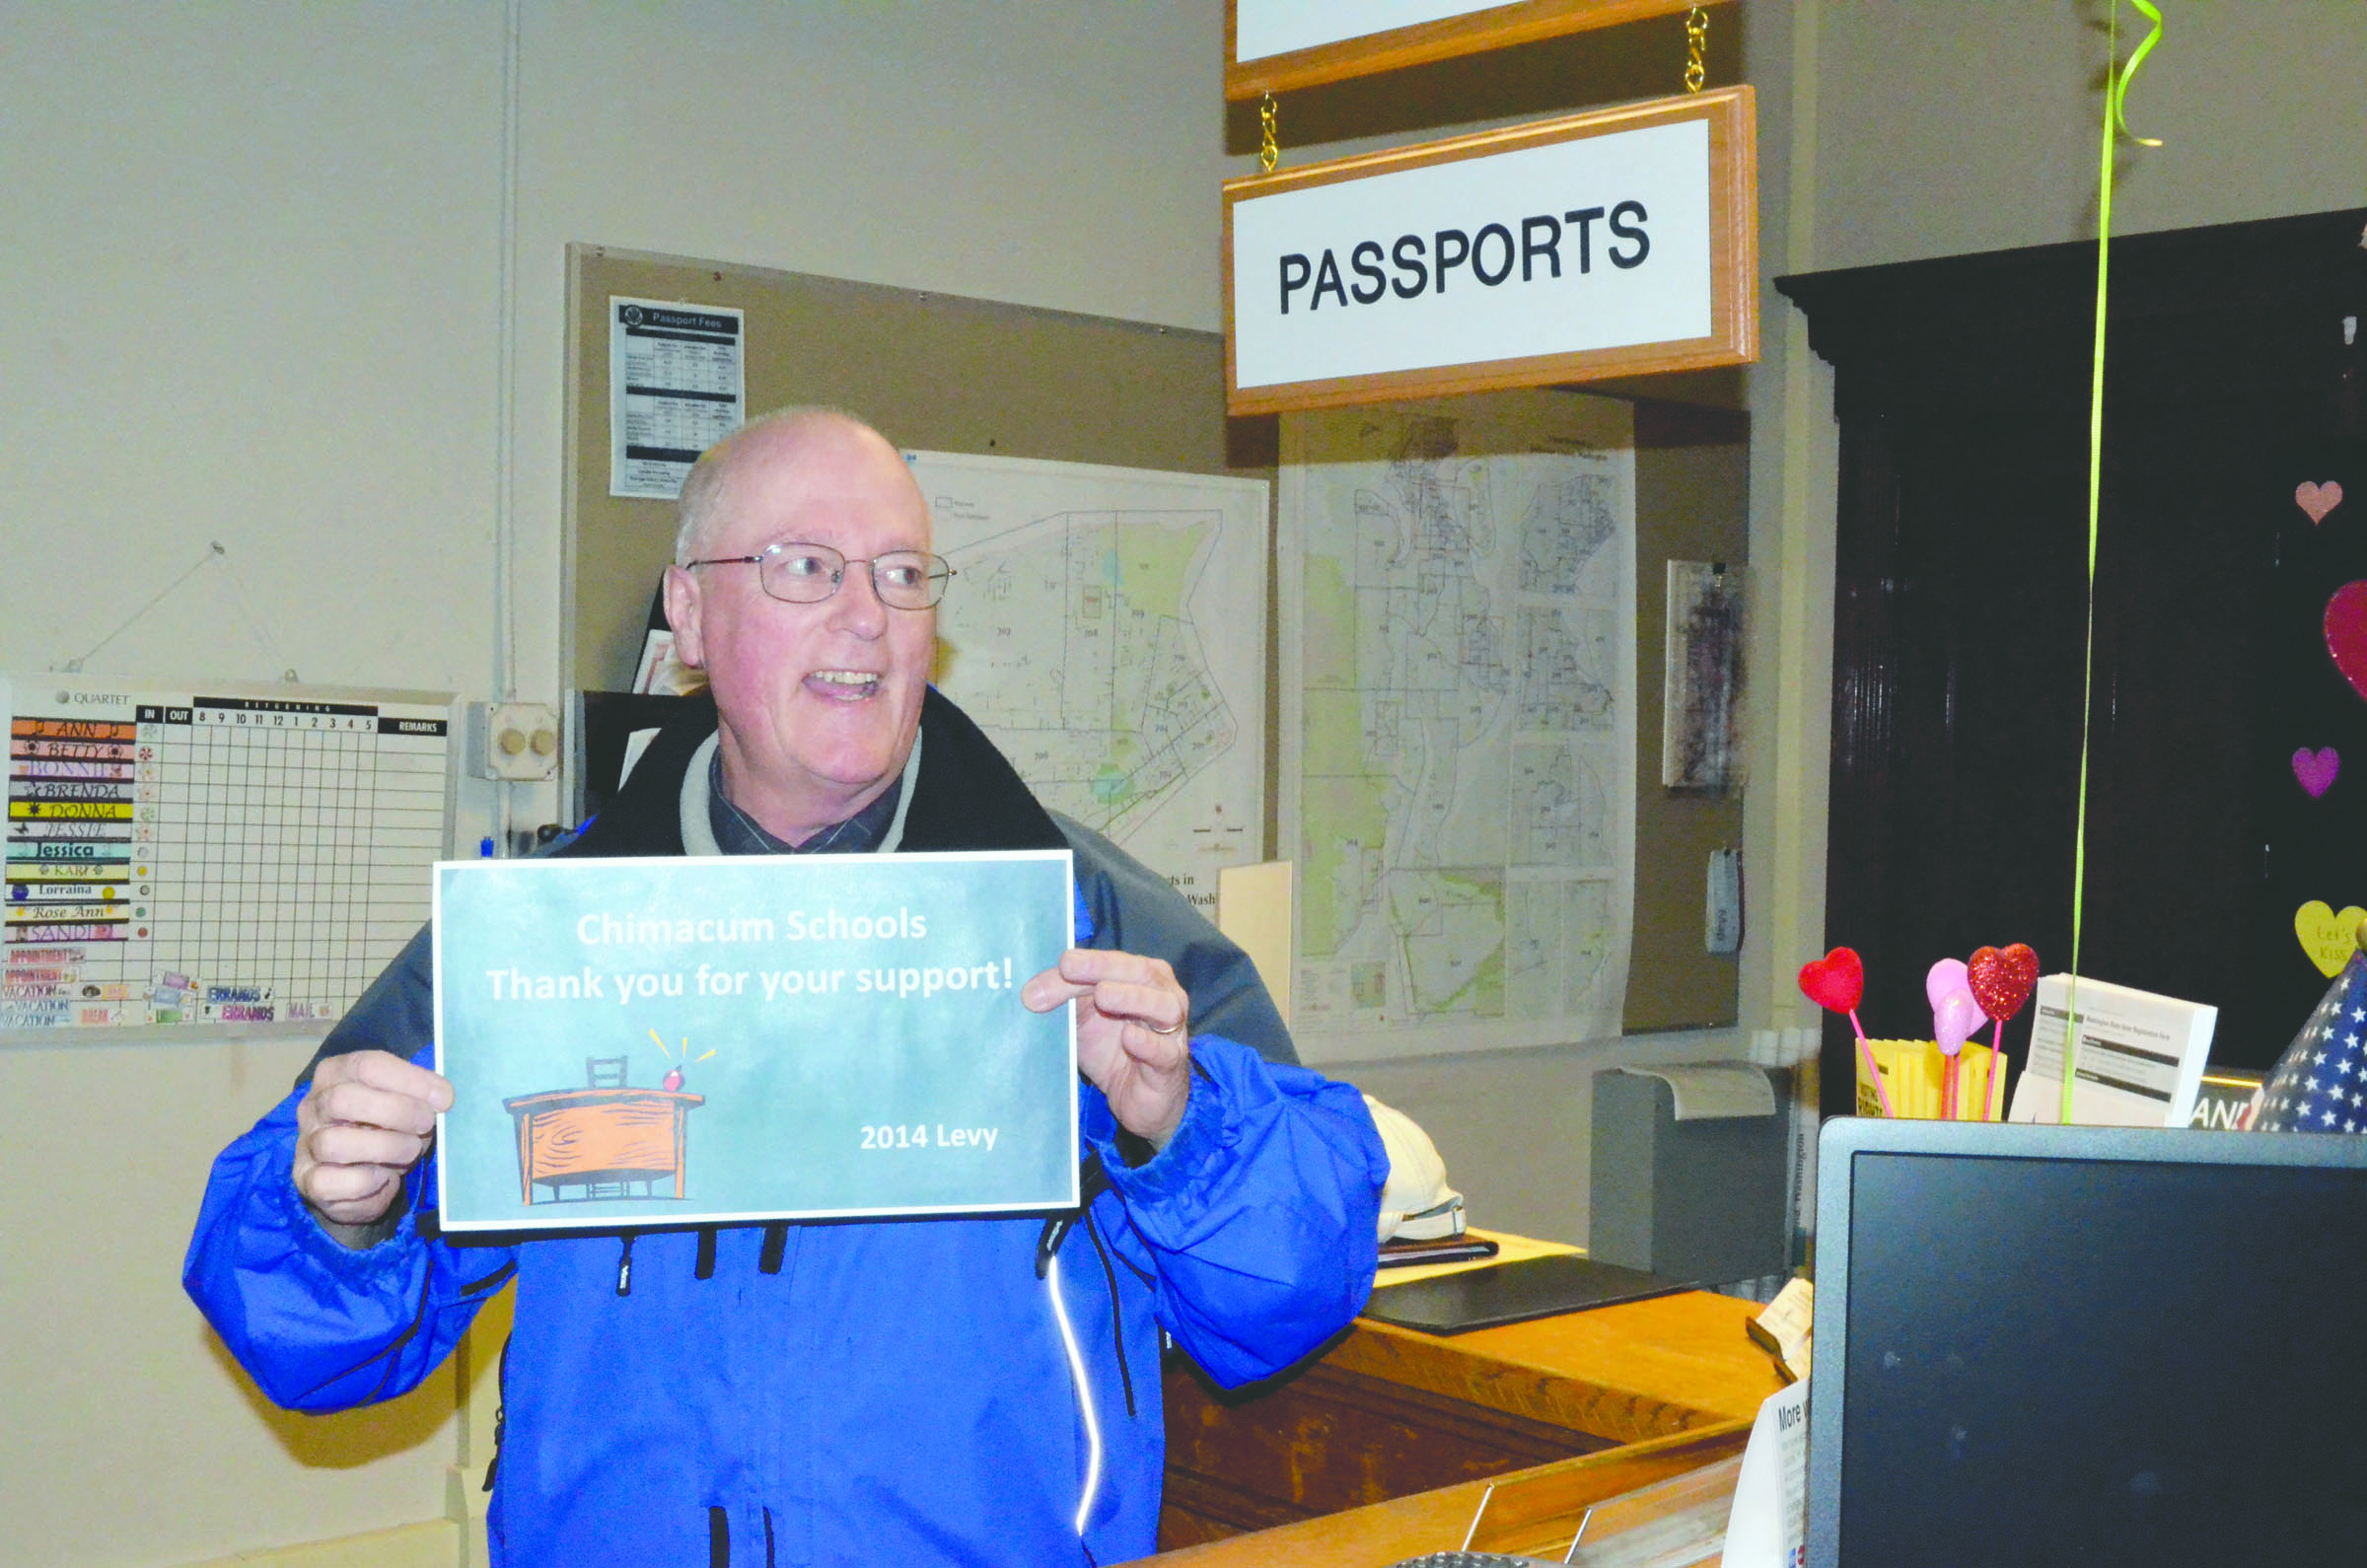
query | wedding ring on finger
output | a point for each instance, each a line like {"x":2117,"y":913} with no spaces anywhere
{"x":1172,"y":1028}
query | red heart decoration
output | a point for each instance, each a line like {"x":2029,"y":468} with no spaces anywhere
{"x":1838,"y":980}
{"x":2001,"y":981}
{"x":2347,"y":633}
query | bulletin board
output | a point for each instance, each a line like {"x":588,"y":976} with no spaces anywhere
{"x":937,"y":372}
{"x":952,"y":374}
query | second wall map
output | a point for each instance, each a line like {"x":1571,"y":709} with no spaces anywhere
{"x":1459,"y":722}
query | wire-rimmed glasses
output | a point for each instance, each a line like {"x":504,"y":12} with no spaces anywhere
{"x":798,"y":573}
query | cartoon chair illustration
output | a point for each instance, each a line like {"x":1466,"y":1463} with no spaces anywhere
{"x":604,"y":1139}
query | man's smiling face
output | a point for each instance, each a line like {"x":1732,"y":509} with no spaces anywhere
{"x":820,"y":702}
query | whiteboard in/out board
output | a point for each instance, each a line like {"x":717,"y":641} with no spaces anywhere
{"x":225,"y":858}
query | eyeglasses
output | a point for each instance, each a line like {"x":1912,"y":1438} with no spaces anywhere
{"x":808,"y":574}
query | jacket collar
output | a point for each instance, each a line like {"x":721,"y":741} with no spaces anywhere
{"x":960,"y":792}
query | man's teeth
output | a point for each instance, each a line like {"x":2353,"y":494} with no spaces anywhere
{"x":846,"y":678}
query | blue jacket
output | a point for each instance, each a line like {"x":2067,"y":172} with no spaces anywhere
{"x":831,"y":1393}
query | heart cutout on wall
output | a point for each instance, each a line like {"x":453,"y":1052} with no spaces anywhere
{"x":2347,"y":633}
{"x":2328,"y":938}
{"x":2318,"y":499}
{"x":2316,"y":770}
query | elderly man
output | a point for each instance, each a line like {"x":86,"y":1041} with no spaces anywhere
{"x":923,"y":1390}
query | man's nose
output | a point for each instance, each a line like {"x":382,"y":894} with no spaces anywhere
{"x":857,"y":606}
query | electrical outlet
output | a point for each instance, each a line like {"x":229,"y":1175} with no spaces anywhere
{"x":513,"y":741}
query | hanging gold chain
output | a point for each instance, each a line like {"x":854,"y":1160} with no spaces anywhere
{"x":1697,"y":39}
{"x":1269,"y":152}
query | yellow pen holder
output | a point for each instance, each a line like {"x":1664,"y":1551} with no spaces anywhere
{"x":1913,"y":1071}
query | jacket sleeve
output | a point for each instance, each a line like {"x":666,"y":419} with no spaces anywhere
{"x":1123,"y":903}
{"x":317,"y":1324}
{"x":1258,"y":1222}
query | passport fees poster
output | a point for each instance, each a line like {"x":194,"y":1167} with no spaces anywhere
{"x":666,"y":1041}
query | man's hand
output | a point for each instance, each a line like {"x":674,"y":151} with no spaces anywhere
{"x":1133,"y":1034}
{"x":366,"y":1119}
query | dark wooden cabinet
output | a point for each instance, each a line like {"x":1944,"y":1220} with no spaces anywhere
{"x":1961,"y":388}
{"x":1327,"y":1441}
{"x":1389,"y":1413}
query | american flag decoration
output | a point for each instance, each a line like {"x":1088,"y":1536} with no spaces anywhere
{"x":2321,"y":1082}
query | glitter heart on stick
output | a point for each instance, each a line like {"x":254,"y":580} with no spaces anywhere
{"x":2001,"y":981}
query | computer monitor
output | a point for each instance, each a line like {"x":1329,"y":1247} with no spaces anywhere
{"x":2091,"y":1345}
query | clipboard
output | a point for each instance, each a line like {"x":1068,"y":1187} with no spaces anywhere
{"x":1512,"y":1293}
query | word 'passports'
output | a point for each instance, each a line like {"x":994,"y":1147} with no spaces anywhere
{"x":666,"y":1041}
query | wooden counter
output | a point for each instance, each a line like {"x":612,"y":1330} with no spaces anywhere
{"x":1389,"y":1413}
{"x":1436,"y":1520}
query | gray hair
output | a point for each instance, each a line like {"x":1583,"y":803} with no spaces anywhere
{"x":706,"y":492}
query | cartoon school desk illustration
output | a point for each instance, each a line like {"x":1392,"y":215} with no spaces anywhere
{"x":601,"y":1139}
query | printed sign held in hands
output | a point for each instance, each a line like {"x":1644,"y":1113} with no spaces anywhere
{"x":666,"y":1041}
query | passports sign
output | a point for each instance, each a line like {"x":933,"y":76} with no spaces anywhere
{"x":672,"y":1041}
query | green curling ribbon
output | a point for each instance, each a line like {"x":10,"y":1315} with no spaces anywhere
{"x":2129,"y":73}
{"x":2116,"y":117}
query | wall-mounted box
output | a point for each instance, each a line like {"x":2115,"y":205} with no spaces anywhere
{"x":1697,"y":1198}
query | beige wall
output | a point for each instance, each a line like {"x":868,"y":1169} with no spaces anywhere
{"x":255,"y":255}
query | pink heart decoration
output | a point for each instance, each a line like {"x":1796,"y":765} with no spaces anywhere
{"x":1944,"y":978}
{"x":2317,"y":769}
{"x":2318,"y":499}
{"x":2347,"y":633}
{"x":1956,"y":1016}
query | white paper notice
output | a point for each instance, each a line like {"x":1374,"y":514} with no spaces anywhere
{"x":1768,"y":1528}
{"x":1709,"y":1091}
{"x":678,"y":383}
{"x":2139,"y":1062}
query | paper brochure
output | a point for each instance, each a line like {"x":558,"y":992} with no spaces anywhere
{"x":2139,"y":1060}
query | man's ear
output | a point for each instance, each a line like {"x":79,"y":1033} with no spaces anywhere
{"x":683,"y":614}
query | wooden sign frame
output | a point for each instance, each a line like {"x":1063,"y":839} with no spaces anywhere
{"x":1732,"y":338}
{"x":1496,"y":27}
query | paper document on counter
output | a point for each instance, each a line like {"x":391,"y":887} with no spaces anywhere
{"x":1768,"y":1528}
